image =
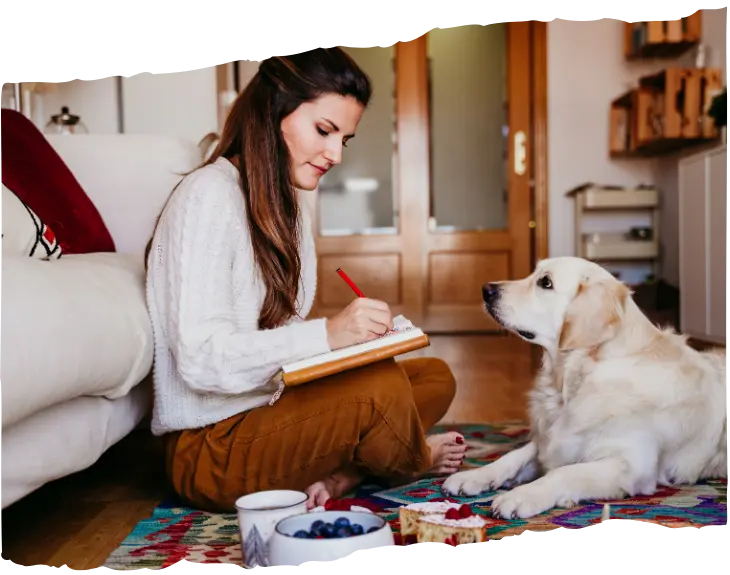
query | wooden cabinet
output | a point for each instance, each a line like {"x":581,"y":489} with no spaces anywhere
{"x":702,"y":244}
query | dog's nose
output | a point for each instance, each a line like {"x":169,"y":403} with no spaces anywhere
{"x":490,"y":292}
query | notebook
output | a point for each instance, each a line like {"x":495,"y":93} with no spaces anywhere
{"x":403,"y":338}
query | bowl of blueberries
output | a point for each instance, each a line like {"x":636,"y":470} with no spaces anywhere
{"x":326,"y":536}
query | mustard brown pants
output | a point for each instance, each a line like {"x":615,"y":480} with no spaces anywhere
{"x":374,"y":418}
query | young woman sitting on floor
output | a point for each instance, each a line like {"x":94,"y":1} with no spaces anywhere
{"x":231,"y":277}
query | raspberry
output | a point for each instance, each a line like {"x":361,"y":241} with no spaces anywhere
{"x":453,"y":514}
{"x":465,"y":511}
{"x":333,"y":505}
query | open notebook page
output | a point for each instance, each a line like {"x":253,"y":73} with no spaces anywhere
{"x":403,"y":330}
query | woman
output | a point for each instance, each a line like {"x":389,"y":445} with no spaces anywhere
{"x":231,"y":277}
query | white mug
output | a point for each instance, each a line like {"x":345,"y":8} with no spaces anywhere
{"x":258,"y":514}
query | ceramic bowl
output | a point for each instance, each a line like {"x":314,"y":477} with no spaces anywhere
{"x":285,"y":549}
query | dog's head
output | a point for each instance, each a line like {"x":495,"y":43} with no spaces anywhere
{"x":566,"y":303}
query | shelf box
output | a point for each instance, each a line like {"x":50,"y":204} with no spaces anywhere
{"x":591,"y":196}
{"x":662,"y":38}
{"x":610,"y":247}
{"x":622,"y":131}
{"x":596,"y":199}
{"x":667,"y":111}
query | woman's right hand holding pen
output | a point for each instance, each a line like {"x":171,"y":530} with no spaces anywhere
{"x":363,"y":320}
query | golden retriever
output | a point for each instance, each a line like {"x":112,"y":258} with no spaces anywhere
{"x":619,"y":406}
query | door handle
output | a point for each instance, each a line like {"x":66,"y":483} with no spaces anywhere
{"x":520,"y":155}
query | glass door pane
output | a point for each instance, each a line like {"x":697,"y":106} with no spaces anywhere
{"x":469,"y":128}
{"x":358,"y":196}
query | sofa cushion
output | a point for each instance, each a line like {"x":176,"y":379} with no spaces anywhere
{"x":24,"y":233}
{"x":129,"y":177}
{"x":33,"y":170}
{"x":77,"y":326}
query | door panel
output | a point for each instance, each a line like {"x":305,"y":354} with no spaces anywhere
{"x":487,"y":235}
{"x":378,"y":276}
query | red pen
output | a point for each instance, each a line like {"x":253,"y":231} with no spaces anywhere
{"x":343,"y":275}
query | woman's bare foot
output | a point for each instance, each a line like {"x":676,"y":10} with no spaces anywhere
{"x":333,"y":486}
{"x":447,"y":452}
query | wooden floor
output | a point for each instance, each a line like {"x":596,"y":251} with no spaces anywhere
{"x":79,"y":520}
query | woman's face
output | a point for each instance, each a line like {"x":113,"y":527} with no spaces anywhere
{"x":316,"y":132}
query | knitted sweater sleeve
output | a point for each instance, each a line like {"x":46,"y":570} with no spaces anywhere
{"x":196,"y":248}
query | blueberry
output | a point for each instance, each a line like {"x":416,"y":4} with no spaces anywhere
{"x":301,"y":534}
{"x":342,"y":522}
{"x":343,"y":531}
{"x":373,"y":528}
{"x":317,"y":527}
{"x":356,"y":529}
{"x":327,"y":531}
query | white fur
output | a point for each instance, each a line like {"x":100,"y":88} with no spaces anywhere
{"x":619,"y":406}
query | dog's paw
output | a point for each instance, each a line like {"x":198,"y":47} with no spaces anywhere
{"x":522,"y":502}
{"x":472,"y":482}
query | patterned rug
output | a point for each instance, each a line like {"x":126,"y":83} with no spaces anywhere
{"x":175,"y":532}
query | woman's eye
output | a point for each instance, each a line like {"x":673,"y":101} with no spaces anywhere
{"x":322,"y":132}
{"x":545,"y":283}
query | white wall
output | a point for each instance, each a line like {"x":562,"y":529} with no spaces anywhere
{"x":181,"y":104}
{"x":586,"y":71}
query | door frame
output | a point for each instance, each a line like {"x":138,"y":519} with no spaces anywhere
{"x":539,"y":148}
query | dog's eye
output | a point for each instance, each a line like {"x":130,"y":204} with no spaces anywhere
{"x":545,"y":283}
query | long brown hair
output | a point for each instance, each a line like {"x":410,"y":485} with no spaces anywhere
{"x":253,"y":142}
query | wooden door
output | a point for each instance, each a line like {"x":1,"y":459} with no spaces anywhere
{"x":423,"y":266}
{"x":464,"y":248}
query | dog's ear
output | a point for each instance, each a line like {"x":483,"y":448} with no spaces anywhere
{"x":595,"y":314}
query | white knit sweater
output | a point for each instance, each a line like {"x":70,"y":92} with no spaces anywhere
{"x":204,"y":294}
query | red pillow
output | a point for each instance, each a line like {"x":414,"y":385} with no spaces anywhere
{"x":41,"y":179}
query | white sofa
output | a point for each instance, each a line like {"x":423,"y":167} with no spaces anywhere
{"x":77,"y":344}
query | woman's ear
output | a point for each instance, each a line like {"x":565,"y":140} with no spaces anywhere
{"x":595,"y":314}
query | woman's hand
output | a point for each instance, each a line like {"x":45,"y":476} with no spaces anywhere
{"x":363,"y":320}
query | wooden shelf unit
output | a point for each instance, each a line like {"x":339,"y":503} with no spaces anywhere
{"x":662,"y":38}
{"x":616,"y":247}
{"x":666,"y":112}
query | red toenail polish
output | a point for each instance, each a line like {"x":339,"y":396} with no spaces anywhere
{"x":459,"y":440}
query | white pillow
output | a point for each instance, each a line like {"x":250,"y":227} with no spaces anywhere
{"x":77,"y":326}
{"x":24,"y":234}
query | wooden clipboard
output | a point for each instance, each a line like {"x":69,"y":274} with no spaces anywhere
{"x":314,"y":372}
